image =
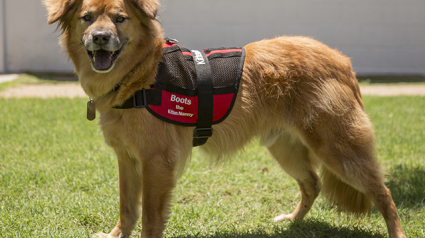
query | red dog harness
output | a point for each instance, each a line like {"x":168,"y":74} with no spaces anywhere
{"x":193,"y":88}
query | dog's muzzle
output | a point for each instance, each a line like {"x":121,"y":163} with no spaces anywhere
{"x":103,"y":50}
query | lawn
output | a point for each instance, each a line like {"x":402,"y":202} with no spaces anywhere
{"x":59,"y":179}
{"x":41,"y":78}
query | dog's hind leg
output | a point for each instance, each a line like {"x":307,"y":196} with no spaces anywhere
{"x":351,"y":175}
{"x":294,"y":158}
{"x":351,"y":183}
{"x":356,"y":182}
{"x":384,"y":202}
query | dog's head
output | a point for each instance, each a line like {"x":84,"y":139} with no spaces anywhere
{"x":105,"y":38}
{"x":103,"y":26}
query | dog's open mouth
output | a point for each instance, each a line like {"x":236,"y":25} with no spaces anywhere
{"x":103,"y":60}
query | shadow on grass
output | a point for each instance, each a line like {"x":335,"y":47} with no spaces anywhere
{"x":407,"y":186}
{"x":308,"y":228}
{"x":385,"y":79}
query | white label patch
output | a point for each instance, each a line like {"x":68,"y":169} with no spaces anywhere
{"x":198,"y":57}
{"x":179,"y":113}
{"x":186,"y":101}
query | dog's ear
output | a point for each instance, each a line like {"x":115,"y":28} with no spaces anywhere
{"x":57,"y":9}
{"x":149,"y":7}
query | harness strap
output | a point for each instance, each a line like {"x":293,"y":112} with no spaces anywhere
{"x":203,"y":129}
{"x":142,"y":98}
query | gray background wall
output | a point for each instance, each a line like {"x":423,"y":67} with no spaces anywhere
{"x":2,"y":43}
{"x":380,"y":36}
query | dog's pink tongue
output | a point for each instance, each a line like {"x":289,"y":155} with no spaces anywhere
{"x":102,"y":59}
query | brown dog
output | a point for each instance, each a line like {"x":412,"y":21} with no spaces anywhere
{"x":298,"y":96}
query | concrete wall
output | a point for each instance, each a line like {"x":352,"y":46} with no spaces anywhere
{"x":31,"y":44}
{"x":2,"y":43}
{"x":381,"y":36}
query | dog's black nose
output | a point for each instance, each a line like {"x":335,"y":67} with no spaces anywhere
{"x":101,"y":38}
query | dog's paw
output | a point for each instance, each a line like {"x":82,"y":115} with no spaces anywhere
{"x":284,"y":217}
{"x":101,"y":235}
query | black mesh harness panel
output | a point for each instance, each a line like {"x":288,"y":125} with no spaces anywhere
{"x":193,"y":88}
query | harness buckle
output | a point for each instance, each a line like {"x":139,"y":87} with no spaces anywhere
{"x":200,"y":133}
{"x":137,"y":97}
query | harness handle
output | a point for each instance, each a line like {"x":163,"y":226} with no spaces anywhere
{"x":203,"y":129}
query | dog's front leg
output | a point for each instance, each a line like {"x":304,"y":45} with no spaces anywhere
{"x":130,"y":186}
{"x":150,"y":180}
{"x":158,"y":182}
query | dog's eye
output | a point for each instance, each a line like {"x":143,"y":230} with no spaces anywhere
{"x":120,"y":19}
{"x":87,"y":18}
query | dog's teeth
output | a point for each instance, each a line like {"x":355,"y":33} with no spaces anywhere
{"x":93,"y":55}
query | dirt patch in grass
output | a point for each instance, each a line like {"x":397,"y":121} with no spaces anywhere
{"x":393,"y":90}
{"x":44,"y":91}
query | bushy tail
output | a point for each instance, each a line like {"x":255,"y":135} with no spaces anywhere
{"x":343,"y":196}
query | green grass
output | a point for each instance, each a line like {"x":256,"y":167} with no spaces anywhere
{"x":59,"y":179}
{"x":391,"y":79}
{"x":40,"y":78}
